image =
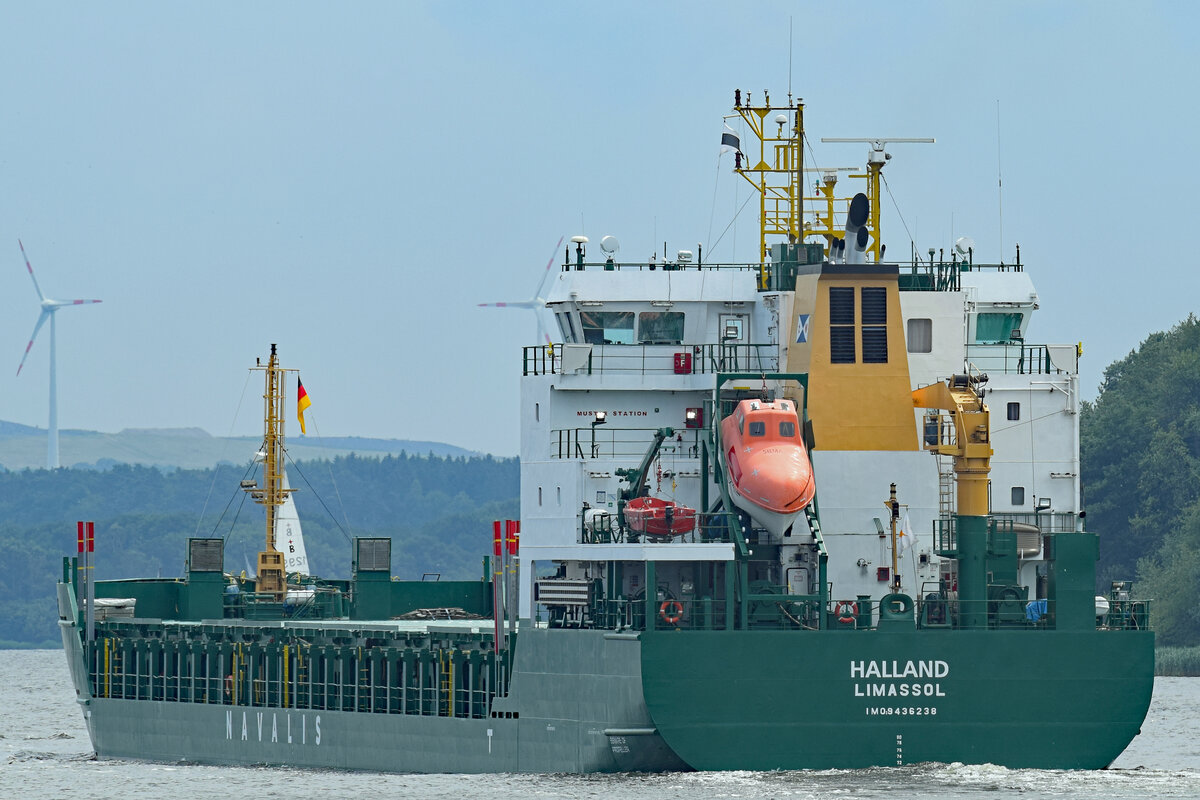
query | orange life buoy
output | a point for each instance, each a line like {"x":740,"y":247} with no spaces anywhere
{"x":671,"y":611}
{"x":846,"y":611}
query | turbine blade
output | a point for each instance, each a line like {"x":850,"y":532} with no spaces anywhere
{"x":542,"y":335}
{"x":518,"y":304}
{"x":41,"y":321}
{"x":78,"y":302}
{"x":537,"y":296}
{"x":30,"y":268}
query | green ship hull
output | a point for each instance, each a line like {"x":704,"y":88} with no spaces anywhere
{"x":605,"y":701}
{"x":855,"y":699}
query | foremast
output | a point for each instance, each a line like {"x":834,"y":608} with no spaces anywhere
{"x":272,"y":578}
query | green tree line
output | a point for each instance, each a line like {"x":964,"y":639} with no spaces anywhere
{"x":1140,"y":462}
{"x":437,"y":511}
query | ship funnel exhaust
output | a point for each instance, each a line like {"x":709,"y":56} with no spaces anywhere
{"x":857,"y":235}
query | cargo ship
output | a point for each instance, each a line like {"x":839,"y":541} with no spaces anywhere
{"x":820,"y":510}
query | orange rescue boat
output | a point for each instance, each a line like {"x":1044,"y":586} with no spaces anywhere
{"x":768,"y":471}
{"x":653,"y":516}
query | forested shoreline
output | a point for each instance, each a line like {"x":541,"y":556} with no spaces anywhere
{"x":1140,"y":462}
{"x":437,"y":510}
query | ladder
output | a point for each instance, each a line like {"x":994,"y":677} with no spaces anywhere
{"x":946,"y":504}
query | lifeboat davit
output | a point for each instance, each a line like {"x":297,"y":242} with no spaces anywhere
{"x":768,"y":470}
{"x":653,"y":516}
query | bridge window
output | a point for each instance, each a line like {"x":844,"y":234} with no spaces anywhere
{"x":997,"y":327}
{"x":607,"y":327}
{"x":660,"y":327}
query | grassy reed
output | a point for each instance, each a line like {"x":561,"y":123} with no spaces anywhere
{"x":1177,"y":661}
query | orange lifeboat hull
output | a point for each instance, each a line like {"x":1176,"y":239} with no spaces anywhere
{"x":653,"y":516}
{"x":768,"y":470}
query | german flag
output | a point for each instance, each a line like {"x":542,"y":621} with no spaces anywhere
{"x":302,"y":402}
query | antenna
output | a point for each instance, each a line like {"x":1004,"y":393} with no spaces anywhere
{"x":610,"y":246}
{"x":877,"y":157}
{"x":999,"y":184}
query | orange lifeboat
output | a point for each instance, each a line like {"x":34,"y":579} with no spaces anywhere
{"x":653,"y":516}
{"x":767,"y":470}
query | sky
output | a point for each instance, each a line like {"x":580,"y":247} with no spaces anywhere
{"x":350,"y":180}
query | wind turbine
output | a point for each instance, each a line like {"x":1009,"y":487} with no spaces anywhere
{"x":49,"y":307}
{"x":537,"y":302}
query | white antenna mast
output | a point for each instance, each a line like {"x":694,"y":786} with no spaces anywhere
{"x":999,"y":183}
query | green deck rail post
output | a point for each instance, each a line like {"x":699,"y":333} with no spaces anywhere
{"x":651,"y":595}
{"x":730,"y":566}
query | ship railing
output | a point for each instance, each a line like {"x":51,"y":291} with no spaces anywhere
{"x":711,"y":527}
{"x":945,"y":539}
{"x":1019,"y":358}
{"x":1046,"y":521}
{"x":611,"y":440}
{"x":655,"y":359}
{"x":658,"y":266}
{"x":458,"y":675}
{"x":1126,"y":615}
{"x":705,"y":613}
{"x":921,"y":275}
{"x":764,"y":611}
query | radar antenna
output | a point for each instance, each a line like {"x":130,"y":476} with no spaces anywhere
{"x":876,"y":158}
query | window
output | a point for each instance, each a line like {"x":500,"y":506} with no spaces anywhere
{"x":758,"y":428}
{"x":607,"y":327}
{"x":787,"y":430}
{"x":841,"y":325}
{"x":1014,"y":411}
{"x":537,"y":412}
{"x":558,"y":490}
{"x":920,"y":335}
{"x":874,"y":330}
{"x":539,"y":495}
{"x":996,"y":327}
{"x":660,"y":327}
{"x":1018,"y":495}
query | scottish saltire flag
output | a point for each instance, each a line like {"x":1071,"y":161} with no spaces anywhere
{"x":803,"y":322}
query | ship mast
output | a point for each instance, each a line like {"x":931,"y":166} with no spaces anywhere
{"x":271,"y":576}
{"x":776,"y":171}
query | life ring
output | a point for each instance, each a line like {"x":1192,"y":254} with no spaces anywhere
{"x":671,"y":611}
{"x":846,"y":612}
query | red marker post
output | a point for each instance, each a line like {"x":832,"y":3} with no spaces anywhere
{"x":497,"y":579}
{"x":85,"y":535}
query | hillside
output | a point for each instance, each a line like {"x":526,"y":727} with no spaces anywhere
{"x":22,"y":447}
{"x":437,"y":511}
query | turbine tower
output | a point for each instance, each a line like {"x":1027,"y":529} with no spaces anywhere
{"x":49,"y":307}
{"x":536,"y":303}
